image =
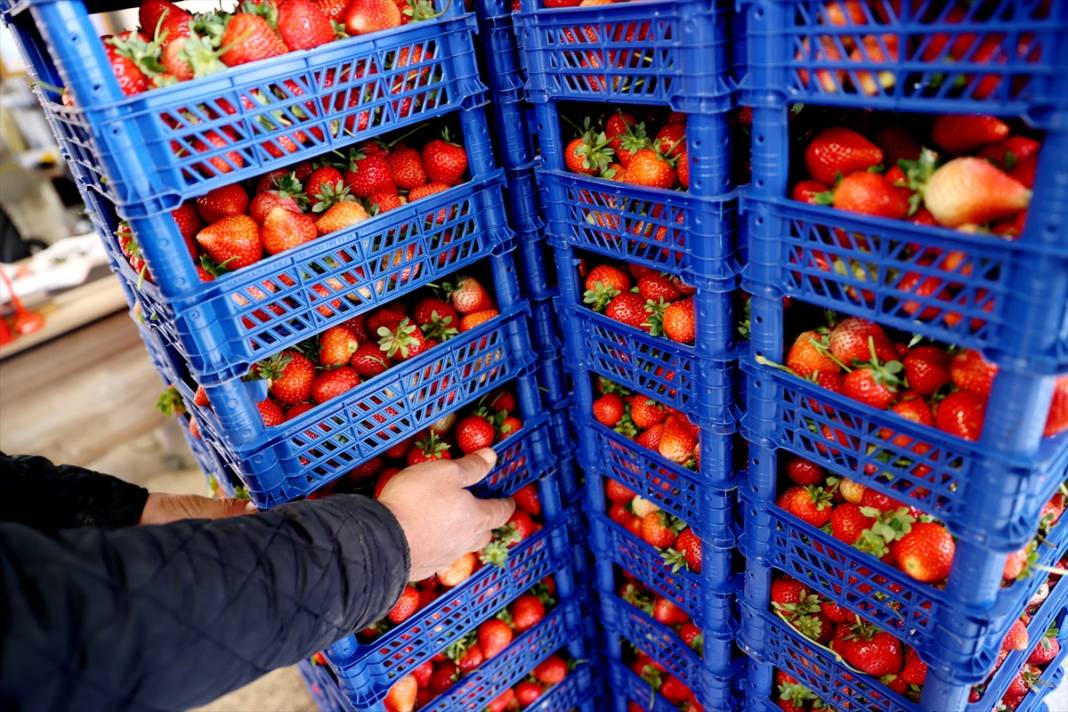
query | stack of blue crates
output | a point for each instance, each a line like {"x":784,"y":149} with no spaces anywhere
{"x":672,"y":54}
{"x":136,"y":158}
{"x":1014,"y":308}
{"x":508,"y":74}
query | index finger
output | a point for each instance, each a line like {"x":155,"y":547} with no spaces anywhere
{"x":496,"y":512}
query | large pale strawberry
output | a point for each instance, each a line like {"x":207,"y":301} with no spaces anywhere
{"x":233,"y":242}
{"x":972,"y":191}
{"x":470,"y":296}
{"x":250,"y":38}
{"x":341,"y":215}
{"x":284,"y":230}
{"x":303,"y":24}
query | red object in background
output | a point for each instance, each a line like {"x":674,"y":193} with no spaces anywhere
{"x":26,"y":320}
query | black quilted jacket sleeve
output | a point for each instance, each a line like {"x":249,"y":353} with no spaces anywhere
{"x":46,"y":496}
{"x":168,"y":617}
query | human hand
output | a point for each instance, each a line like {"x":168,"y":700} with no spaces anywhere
{"x":165,"y":508}
{"x":441,"y":520}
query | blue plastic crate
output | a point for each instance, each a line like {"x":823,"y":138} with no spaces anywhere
{"x":823,"y":672}
{"x":857,"y":441}
{"x":630,"y":688}
{"x":323,"y":687}
{"x":656,"y":366}
{"x":668,"y":230}
{"x":658,"y":641}
{"x":293,"y":459}
{"x":667,"y":52}
{"x":886,"y":595}
{"x":367,"y":670}
{"x":574,"y":693}
{"x":485,"y":683}
{"x":153,"y":148}
{"x":706,"y":506}
{"x":928,"y":55}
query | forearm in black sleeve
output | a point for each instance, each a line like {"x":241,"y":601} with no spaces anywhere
{"x":45,"y":496}
{"x":168,"y":617}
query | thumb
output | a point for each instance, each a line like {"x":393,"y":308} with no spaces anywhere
{"x":473,"y":469}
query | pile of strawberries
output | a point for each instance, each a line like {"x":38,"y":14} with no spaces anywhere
{"x":626,"y":150}
{"x":344,"y":356}
{"x":925,"y":383}
{"x":652,"y":425}
{"x":437,"y":675}
{"x":876,"y":42}
{"x":173,"y":45}
{"x":655,"y":302}
{"x":661,"y":681}
{"x":238,"y":225}
{"x":889,"y":530}
{"x":678,"y":545}
{"x":662,"y":611}
{"x":970,"y":173}
{"x":867,"y":649}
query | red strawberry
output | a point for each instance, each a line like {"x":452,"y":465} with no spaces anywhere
{"x":608,"y":409}
{"x":804,"y":472}
{"x":248,"y":38}
{"x":402,"y":695}
{"x":469,"y":296}
{"x":870,"y":194}
{"x":839,"y":150}
{"x":526,"y":693}
{"x":284,"y":230}
{"x":677,"y":441}
{"x":303,"y":24}
{"x":527,"y":611}
{"x":786,"y":593}
{"x":1057,"y":419}
{"x":851,"y":342}
{"x":964,"y":133}
{"x":150,"y":12}
{"x":336,"y":346}
{"x":897,"y":143}
{"x":1045,"y":651}
{"x":627,"y":308}
{"x":290,"y":374}
{"x":972,"y":191}
{"x":526,"y":498}
{"x":444,"y":161}
{"x":809,"y":504}
{"x":914,"y":671}
{"x":616,"y":492}
{"x":666,"y":612}
{"x":812,"y":192}
{"x":690,"y":546}
{"x":650,"y":439}
{"x":384,"y":202}
{"x":288,"y":193}
{"x":271,"y":413}
{"x":473,"y":432}
{"x":494,"y":636}
{"x":602,"y":284}
{"x":368,"y":360}
{"x":657,"y":530}
{"x":188,"y":222}
{"x":368,"y":173}
{"x":684,"y":169}
{"x":321,"y":178}
{"x":333,"y":9}
{"x":808,"y":355}
{"x":404,"y":342}
{"x":874,"y":652}
{"x":646,"y":412}
{"x":470,"y":321}
{"x":551,"y":671}
{"x":365,"y":16}
{"x":406,"y":167}
{"x":650,"y":168}
{"x":927,"y":368}
{"x":233,"y":242}
{"x":969,"y":371}
{"x":332,"y":383}
{"x":406,"y":605}
{"x":848,"y":523}
{"x":671,"y":139}
{"x":875,"y":386}
{"x":926,"y":552}
{"x":126,"y":54}
{"x":674,"y":691}
{"x":657,"y":286}
{"x":425,"y":450}
{"x":222,"y":202}
{"x":678,"y":322}
{"x":1016,"y":638}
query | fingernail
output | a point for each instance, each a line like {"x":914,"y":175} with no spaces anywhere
{"x":488,"y":454}
{"x":250,"y":507}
